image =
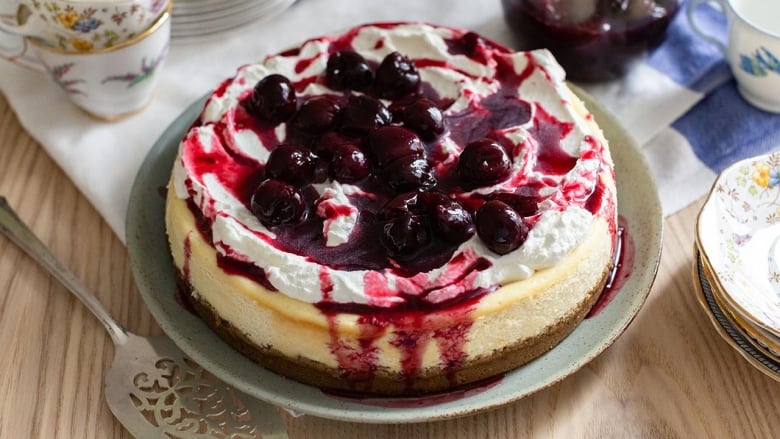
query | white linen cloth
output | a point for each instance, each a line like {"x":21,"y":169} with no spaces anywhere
{"x":102,"y":158}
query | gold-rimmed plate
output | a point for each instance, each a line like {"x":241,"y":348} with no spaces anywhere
{"x":728,"y":332}
{"x":759,"y":340}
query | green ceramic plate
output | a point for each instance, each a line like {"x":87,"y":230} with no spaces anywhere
{"x":639,"y":208}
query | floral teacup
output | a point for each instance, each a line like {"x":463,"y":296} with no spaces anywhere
{"x":112,"y":83}
{"x":752,"y":49}
{"x":84,"y":25}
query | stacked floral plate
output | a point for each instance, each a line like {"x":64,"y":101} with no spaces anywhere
{"x":737,"y":269}
{"x":194,"y":19}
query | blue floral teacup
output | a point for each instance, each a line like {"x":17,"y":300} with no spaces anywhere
{"x":752,"y":49}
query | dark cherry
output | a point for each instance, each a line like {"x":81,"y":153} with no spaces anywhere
{"x":276,"y":202}
{"x":468,"y":43}
{"x":348,"y":70}
{"x":396,"y":77}
{"x":500,"y":227}
{"x":409,"y":173}
{"x":292,"y":163}
{"x":483,"y":162}
{"x":316,"y":116}
{"x":452,"y":221}
{"x":363,"y":114}
{"x":328,"y":143}
{"x":524,"y":205}
{"x":429,"y":199}
{"x":273,"y":99}
{"x":423,"y":116}
{"x":404,"y":234}
{"x":321,"y":170}
{"x":390,"y":143}
{"x":348,"y":163}
{"x":401,"y":204}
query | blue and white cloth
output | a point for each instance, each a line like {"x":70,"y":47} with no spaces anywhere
{"x":680,"y":103}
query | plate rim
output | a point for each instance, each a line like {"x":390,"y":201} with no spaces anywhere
{"x":722,"y":328}
{"x":726,"y":303}
{"x":643,"y":276}
{"x":193,"y":32}
{"x":738,"y":321}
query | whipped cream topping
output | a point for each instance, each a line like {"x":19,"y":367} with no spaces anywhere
{"x":554,"y":151}
{"x":338,"y":214}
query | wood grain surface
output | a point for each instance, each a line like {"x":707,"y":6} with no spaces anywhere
{"x":668,"y":376}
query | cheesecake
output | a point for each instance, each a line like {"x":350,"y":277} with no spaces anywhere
{"x":398,"y":209}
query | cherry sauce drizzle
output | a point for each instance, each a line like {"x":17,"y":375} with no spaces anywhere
{"x":623,"y":267}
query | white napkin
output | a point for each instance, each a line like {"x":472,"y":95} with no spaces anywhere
{"x":103,"y":158}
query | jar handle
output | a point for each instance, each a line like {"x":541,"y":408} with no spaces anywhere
{"x":690,"y":12}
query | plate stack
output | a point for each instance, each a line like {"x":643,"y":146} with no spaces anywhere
{"x":737,"y":268}
{"x":194,"y":19}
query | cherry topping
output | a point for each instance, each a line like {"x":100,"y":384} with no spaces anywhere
{"x":317,"y":115}
{"x":321,"y":170}
{"x":348,"y":70}
{"x":402,"y":204}
{"x":409,"y":173}
{"x":348,"y":163}
{"x":483,"y":162}
{"x":466,"y":44}
{"x":524,"y":205}
{"x":429,"y":199}
{"x":396,"y":77}
{"x":404,"y":234}
{"x":276,"y":202}
{"x":391,"y":143}
{"x":363,"y":114}
{"x":452,"y":221}
{"x":273,"y":99}
{"x":500,"y":227}
{"x":329,"y":142}
{"x":422,"y":116}
{"x":292,"y":163}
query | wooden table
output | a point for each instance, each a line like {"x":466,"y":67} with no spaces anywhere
{"x":669,"y":375}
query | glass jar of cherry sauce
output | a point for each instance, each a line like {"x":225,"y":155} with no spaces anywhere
{"x":594,"y":40}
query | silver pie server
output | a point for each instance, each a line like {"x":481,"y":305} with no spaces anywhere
{"x":153,"y":389}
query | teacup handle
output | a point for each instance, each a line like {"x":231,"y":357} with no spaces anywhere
{"x":29,"y":27}
{"x":16,"y":49}
{"x":690,"y":12}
